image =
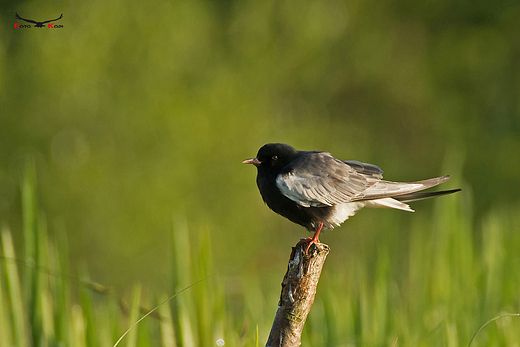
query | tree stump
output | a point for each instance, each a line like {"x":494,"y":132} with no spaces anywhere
{"x":298,"y":291}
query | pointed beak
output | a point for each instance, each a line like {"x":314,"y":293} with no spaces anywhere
{"x":253,"y":161}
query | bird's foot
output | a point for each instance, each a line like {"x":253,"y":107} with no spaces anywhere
{"x":312,"y":240}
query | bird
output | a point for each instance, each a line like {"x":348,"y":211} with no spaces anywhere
{"x":318,"y":191}
{"x":38,"y":24}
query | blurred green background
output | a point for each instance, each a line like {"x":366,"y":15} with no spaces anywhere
{"x":138,"y":115}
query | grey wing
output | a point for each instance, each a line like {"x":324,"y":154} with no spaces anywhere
{"x":365,"y":169}
{"x":318,"y":179}
{"x":385,"y":189}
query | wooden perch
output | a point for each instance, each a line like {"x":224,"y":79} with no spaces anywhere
{"x":298,"y":291}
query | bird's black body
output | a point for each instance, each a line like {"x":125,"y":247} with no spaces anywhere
{"x":268,"y":171}
{"x":315,"y":190}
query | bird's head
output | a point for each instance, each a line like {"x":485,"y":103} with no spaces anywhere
{"x":273,"y":156}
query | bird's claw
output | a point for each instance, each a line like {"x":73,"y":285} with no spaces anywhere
{"x":308,"y":240}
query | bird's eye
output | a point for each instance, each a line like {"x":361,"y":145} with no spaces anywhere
{"x":275,"y":157}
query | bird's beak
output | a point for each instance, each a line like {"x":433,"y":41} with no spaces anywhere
{"x":253,"y":161}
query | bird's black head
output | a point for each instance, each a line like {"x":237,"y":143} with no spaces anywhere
{"x":273,"y":156}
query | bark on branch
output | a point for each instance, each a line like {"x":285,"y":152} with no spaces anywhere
{"x":298,"y":291}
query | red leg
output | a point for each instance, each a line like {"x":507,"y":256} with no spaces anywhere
{"x":312,"y":240}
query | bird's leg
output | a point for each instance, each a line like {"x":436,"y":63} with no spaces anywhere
{"x":314,"y":239}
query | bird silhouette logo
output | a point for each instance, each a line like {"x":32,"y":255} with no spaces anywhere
{"x":38,"y":24}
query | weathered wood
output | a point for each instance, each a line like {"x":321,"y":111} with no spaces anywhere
{"x":298,"y":291}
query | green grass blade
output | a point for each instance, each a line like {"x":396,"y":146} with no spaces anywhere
{"x":5,"y":318}
{"x":166,"y":326}
{"x":181,"y":273}
{"x":61,"y":292}
{"x":78,"y":327}
{"x":88,"y":311}
{"x":20,"y":329}
{"x":492,"y":320}
{"x":131,"y":340}
{"x":30,"y":234}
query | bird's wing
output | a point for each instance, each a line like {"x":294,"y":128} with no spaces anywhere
{"x":319,"y":179}
{"x":27,"y":20}
{"x":52,"y":20}
{"x":365,"y":169}
{"x":385,"y":189}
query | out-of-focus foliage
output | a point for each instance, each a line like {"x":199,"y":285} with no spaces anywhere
{"x":437,"y":296}
{"x":139,"y":113}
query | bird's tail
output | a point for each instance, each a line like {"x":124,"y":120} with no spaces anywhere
{"x":400,"y":202}
{"x":423,"y":195}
